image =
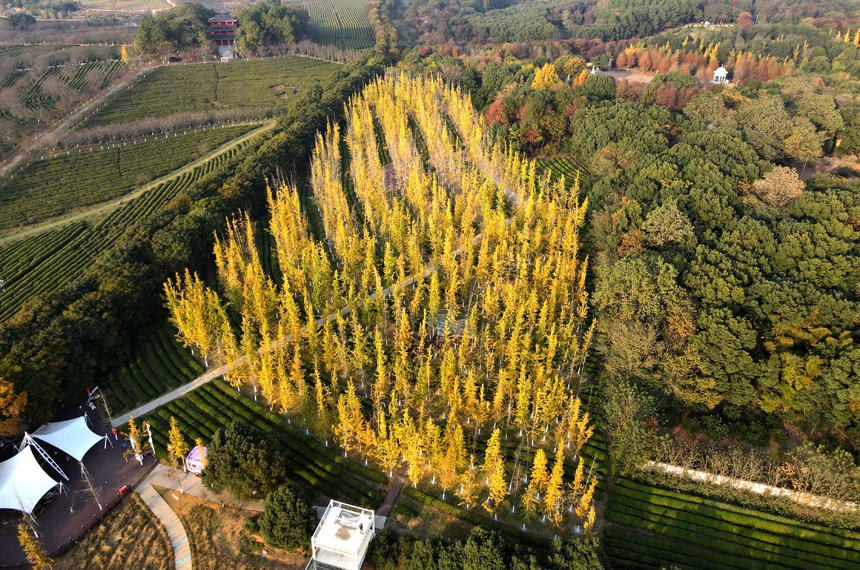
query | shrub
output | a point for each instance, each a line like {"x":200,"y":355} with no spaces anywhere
{"x":243,"y":461}
{"x":287,"y":521}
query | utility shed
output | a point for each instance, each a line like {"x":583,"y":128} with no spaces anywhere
{"x":341,"y":538}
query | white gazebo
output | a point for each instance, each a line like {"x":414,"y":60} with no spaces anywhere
{"x":73,"y":437}
{"x":721,"y":75}
{"x":342,"y":537}
{"x":23,"y":482}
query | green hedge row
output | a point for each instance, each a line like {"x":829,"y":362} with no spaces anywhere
{"x":405,"y":511}
{"x":178,"y":354}
{"x":726,"y":540}
{"x":127,"y":379}
{"x":159,"y":436}
{"x":793,"y":536}
{"x":308,"y":440}
{"x":839,"y":532}
{"x":527,"y":455}
{"x":310,"y":461}
{"x":159,"y":363}
{"x":229,"y":415}
{"x":147,"y":373}
{"x":779,"y":545}
{"x":476,"y":519}
{"x":664,"y":552}
{"x":117,"y":397}
{"x":187,"y":430}
{"x":299,"y":464}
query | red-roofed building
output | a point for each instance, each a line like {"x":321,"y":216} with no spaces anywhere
{"x":222,"y":34}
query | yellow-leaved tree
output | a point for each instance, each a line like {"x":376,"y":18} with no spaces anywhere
{"x":554,"y":498}
{"x":494,"y":469}
{"x":545,"y":78}
{"x":36,"y":555}
{"x":537,"y":484}
{"x":11,"y":407}
{"x":178,"y":448}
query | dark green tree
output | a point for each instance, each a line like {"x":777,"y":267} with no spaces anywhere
{"x":583,"y":554}
{"x":21,"y":20}
{"x":243,"y":461}
{"x":765,"y":124}
{"x":626,"y":408}
{"x":287,"y":521}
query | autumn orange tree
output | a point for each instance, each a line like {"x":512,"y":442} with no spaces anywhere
{"x":442,"y":317}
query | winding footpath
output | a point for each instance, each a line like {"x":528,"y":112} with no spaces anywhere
{"x":168,"y":517}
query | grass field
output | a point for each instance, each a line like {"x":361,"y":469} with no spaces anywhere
{"x":130,"y":536}
{"x":205,"y":86}
{"x":667,"y":528}
{"x":46,"y":262}
{"x":75,"y":179}
{"x":341,"y":23}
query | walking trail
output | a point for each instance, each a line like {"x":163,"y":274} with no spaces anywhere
{"x":171,"y":522}
{"x":179,"y":482}
{"x":393,"y":491}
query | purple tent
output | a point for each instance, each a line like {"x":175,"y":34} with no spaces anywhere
{"x":196,"y":460}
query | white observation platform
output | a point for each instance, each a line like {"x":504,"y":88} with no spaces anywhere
{"x":342,"y":537}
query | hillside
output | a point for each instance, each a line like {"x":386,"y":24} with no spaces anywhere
{"x":538,"y":311}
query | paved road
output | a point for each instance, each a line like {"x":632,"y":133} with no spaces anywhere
{"x":167,"y":516}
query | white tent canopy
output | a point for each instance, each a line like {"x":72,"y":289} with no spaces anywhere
{"x":23,"y":482}
{"x":71,"y":436}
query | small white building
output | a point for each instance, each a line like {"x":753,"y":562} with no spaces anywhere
{"x":342,"y":537}
{"x":721,"y":75}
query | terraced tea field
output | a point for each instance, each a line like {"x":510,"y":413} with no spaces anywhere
{"x":125,"y":5}
{"x":159,"y":363}
{"x":342,"y":23}
{"x":46,"y":262}
{"x":310,"y":462}
{"x":655,"y":528}
{"x":167,"y":90}
{"x":75,"y":179}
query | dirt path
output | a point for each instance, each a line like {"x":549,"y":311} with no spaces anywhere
{"x":66,"y":122}
{"x":636,"y":76}
{"x":827,"y":165}
{"x":107,"y":207}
